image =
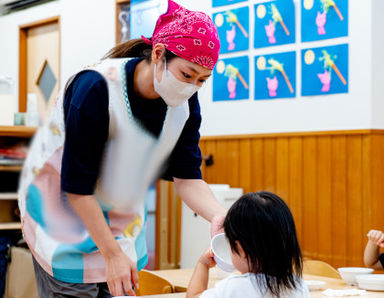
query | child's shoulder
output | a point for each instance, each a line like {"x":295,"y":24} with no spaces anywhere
{"x":250,"y":285}
{"x":233,"y":286}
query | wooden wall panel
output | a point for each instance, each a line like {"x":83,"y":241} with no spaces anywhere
{"x":257,"y":166}
{"x":367,"y":187}
{"x":296,"y":182}
{"x":232,"y":157}
{"x":222,"y":160}
{"x":332,"y":182}
{"x":282,"y":168}
{"x":210,"y":174}
{"x":324,"y":198}
{"x":355,"y":232}
{"x":377,"y":176}
{"x":269,"y":165}
{"x":309,"y":239}
{"x":339,"y":200}
{"x":245,"y":167}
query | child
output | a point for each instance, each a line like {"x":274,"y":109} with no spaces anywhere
{"x":264,"y":248}
{"x":372,"y":256}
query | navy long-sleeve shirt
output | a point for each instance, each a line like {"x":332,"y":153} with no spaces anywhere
{"x":87,"y":127}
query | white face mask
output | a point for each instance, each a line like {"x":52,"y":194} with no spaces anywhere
{"x":173,"y":91}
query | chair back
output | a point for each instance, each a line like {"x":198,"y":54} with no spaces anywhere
{"x":316,"y":267}
{"x":152,"y":284}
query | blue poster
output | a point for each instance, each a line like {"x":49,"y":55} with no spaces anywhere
{"x":216,"y":3}
{"x":231,"y":79}
{"x":324,"y":70}
{"x":275,"y":76}
{"x":274,"y":23}
{"x":233,"y":29}
{"x":323,"y":19}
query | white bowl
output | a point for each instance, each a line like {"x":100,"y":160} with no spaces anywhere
{"x":222,"y":252}
{"x":373,"y":282}
{"x":315,"y":285}
{"x":348,"y":274}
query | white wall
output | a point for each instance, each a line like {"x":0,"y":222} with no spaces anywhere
{"x":9,"y":39}
{"x":331,"y":112}
{"x":87,"y":28}
{"x":87,"y":33}
{"x":377,"y":64}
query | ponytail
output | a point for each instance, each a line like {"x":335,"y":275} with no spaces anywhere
{"x":135,"y":48}
{"x":130,"y":49}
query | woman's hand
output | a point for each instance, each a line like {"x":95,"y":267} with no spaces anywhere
{"x":217,"y":225}
{"x":121,"y":273}
{"x":200,"y":198}
{"x":120,"y":270}
{"x":207,"y":259}
{"x":376,"y":237}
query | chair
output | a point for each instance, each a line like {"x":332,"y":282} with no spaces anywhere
{"x":151,"y":284}
{"x":20,"y":278}
{"x":319,"y":268}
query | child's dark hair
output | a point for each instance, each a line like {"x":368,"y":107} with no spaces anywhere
{"x":263,"y":224}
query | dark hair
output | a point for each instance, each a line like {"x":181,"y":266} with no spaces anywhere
{"x":263,"y":224}
{"x":135,"y":48}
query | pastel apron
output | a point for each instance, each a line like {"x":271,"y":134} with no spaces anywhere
{"x":132,"y":161}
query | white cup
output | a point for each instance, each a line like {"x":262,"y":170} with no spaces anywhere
{"x":222,"y":252}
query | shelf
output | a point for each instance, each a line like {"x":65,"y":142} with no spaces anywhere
{"x":8,"y":196}
{"x":10,"y":225}
{"x":11,"y":168}
{"x":17,"y":131}
{"x":8,"y":200}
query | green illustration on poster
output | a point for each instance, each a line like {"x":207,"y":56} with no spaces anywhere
{"x":275,"y":76}
{"x":274,"y":23}
{"x":325,"y":70}
{"x":323,"y":19}
{"x":233,"y":29}
{"x":231,"y":79}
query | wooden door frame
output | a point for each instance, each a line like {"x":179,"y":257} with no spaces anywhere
{"x":168,"y":226}
{"x":23,"y":34}
{"x":117,"y":21}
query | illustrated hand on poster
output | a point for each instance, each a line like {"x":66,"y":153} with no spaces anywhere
{"x":274,"y":23}
{"x":325,"y":70}
{"x":230,"y":79}
{"x":233,"y":27}
{"x":323,"y":19}
{"x":275,"y":76}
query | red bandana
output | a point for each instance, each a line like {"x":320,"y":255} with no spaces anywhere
{"x":188,"y":34}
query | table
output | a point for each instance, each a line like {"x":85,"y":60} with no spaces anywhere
{"x":181,"y":277}
{"x":337,"y":284}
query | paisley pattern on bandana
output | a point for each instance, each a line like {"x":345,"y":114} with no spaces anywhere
{"x":188,"y":34}
{"x":204,"y":60}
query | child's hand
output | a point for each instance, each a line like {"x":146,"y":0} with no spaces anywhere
{"x":207,"y":259}
{"x":376,"y":237}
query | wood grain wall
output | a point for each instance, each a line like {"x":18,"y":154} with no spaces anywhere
{"x":332,"y":181}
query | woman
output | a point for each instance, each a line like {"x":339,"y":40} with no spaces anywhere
{"x":116,"y":128}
